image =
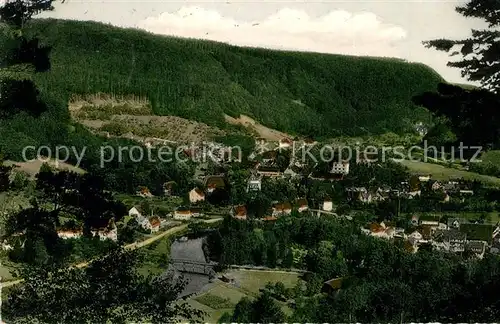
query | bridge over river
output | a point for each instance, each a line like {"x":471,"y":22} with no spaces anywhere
{"x":188,"y":259}
{"x":195,"y":267}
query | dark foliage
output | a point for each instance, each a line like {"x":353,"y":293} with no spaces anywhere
{"x":18,"y":12}
{"x":479,"y":52}
{"x":109,"y":289}
{"x":472,"y":114}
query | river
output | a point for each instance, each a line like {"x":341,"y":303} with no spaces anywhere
{"x":191,"y":250}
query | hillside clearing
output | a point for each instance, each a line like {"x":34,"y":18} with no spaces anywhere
{"x":132,"y":117}
{"x":440,"y":172}
{"x":32,"y":167}
{"x":221,"y":297}
{"x":257,"y":128}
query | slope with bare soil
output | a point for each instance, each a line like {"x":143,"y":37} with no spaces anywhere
{"x":258,"y":129}
{"x":132,"y":116}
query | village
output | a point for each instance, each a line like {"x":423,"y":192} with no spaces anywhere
{"x":437,"y":230}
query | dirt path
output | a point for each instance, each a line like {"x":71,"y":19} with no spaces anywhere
{"x":261,"y":130}
{"x":131,"y":246}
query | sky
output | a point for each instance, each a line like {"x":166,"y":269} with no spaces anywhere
{"x":370,"y":27}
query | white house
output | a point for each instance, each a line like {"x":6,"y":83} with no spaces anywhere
{"x":135,"y":213}
{"x":424,"y":178}
{"x":142,"y":220}
{"x":182,"y":214}
{"x":107,"y":234}
{"x":144,"y":223}
{"x":327,"y":205}
{"x":285,"y":143}
{"x":69,"y":234}
{"x":254,"y":184}
{"x":415,"y":237}
{"x":340,"y":167}
{"x":196,"y":195}
{"x":302,"y":205}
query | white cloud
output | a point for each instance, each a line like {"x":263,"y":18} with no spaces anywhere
{"x":335,"y":32}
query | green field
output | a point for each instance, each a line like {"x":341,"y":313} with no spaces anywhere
{"x":156,"y":256}
{"x":5,"y":272}
{"x":294,"y":92}
{"x":491,"y":217}
{"x":160,"y":205}
{"x":440,"y":172}
{"x":492,"y":156}
{"x":222,"y":297}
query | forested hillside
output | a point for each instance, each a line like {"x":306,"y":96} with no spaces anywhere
{"x":300,"y":93}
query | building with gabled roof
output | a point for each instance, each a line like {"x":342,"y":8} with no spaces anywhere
{"x":182,"y":214}
{"x":144,"y":192}
{"x":239,"y":212}
{"x":332,"y":286}
{"x":155,"y":224}
{"x":285,"y":143}
{"x":196,"y":195}
{"x":284,"y":208}
{"x":214,"y":182}
{"x":302,"y":205}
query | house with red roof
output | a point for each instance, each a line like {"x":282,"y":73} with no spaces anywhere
{"x":239,"y":212}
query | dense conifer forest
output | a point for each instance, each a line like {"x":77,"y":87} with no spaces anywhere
{"x":301,"y":93}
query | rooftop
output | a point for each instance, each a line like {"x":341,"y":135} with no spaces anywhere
{"x":240,"y":210}
{"x":335,"y":283}
{"x":215,"y":182}
{"x":282,"y":206}
{"x":449,"y":235}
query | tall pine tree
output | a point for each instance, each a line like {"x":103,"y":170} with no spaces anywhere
{"x":20,"y":57}
{"x":481,"y":51}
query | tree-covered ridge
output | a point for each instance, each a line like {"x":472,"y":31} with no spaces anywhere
{"x":303,"y":93}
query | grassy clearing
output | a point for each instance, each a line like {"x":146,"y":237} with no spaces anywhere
{"x":252,"y":280}
{"x":491,"y":157}
{"x":212,"y":315}
{"x":5,"y":272}
{"x":440,"y":172}
{"x":223,"y":297}
{"x":491,"y":217}
{"x":215,"y":302}
{"x":161,"y":205}
{"x":156,"y":257}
